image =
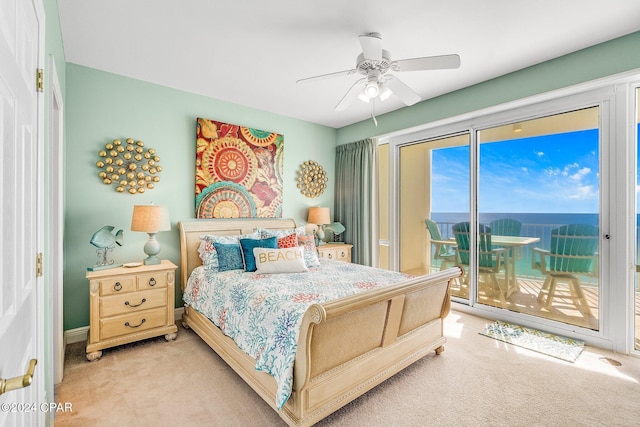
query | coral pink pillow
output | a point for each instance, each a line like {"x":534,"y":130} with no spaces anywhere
{"x":290,"y":241}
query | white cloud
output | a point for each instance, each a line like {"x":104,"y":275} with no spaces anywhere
{"x":583,"y":192}
{"x":552,"y":171}
{"x":581,"y":174}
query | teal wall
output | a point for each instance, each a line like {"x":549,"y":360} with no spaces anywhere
{"x":101,"y":107}
{"x":602,"y":60}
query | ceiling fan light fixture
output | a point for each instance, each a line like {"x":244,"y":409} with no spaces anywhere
{"x":385,"y":92}
{"x":363,"y":96}
{"x":371,"y":89}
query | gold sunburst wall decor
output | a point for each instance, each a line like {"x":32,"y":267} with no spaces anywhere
{"x":129,"y":166}
{"x":312,"y":179}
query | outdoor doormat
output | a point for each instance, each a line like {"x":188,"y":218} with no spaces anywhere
{"x":550,"y":344}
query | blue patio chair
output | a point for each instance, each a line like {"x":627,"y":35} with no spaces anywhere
{"x":573,"y":253}
{"x":442,"y":250}
{"x":505,"y":227}
{"x":490,"y":260}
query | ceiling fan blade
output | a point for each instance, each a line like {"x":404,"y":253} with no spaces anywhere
{"x":327,"y":76}
{"x":427,"y":63}
{"x":402,"y":91}
{"x":371,"y":46}
{"x":350,"y":96}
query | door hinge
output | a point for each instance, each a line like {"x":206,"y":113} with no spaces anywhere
{"x":40,"y":80}
{"x":39,"y":265}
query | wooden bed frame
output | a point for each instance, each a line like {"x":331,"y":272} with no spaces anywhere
{"x":345,"y":347}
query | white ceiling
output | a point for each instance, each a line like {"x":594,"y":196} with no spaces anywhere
{"x":251,"y":52}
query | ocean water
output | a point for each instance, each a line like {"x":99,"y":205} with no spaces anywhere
{"x":525,"y":218}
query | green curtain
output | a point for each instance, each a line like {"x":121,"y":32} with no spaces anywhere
{"x":354,"y":197}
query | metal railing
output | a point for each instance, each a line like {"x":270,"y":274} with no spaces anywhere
{"x":523,"y":264}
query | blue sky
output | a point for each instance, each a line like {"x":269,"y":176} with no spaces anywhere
{"x":544,"y":174}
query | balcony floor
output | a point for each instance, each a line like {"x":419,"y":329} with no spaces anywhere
{"x":562,"y":309}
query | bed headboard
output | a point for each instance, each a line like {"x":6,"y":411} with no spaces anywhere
{"x":191,"y":230}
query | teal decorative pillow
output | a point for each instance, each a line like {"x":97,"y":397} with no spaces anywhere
{"x":247,"y":246}
{"x":229,"y":256}
{"x":208,"y":252}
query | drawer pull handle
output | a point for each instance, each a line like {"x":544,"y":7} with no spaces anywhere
{"x":127,"y":324}
{"x":135,"y":305}
{"x":117,"y":286}
{"x":152,"y":282}
{"x":329,"y":256}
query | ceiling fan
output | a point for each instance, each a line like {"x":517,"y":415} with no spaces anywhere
{"x":374,"y":63}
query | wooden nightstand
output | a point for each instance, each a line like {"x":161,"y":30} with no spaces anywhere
{"x":337,"y":251}
{"x":130,"y":304}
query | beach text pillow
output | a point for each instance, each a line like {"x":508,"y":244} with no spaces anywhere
{"x":286,"y":260}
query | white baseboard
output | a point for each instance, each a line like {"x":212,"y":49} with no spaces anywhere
{"x":76,"y":335}
{"x":80,"y":334}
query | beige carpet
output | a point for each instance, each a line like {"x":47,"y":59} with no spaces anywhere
{"x":477,"y":381}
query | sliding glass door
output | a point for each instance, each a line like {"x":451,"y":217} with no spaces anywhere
{"x":535,"y":246}
{"x":636,"y":293}
{"x":434,"y":195}
{"x":539,"y":198}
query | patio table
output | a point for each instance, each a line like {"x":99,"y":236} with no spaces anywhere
{"x":511,"y":243}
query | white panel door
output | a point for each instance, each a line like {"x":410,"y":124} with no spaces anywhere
{"x":21,"y":23}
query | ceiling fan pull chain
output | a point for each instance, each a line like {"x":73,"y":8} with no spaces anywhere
{"x":373,"y":112}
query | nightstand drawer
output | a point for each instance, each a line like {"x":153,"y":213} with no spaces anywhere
{"x":152,"y":281}
{"x":131,"y":302}
{"x":118,"y":285}
{"x":343,"y":255}
{"x":337,"y":252}
{"x":328,"y":254}
{"x":131,"y":323}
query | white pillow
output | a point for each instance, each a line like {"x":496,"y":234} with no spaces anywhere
{"x":285,"y":260}
{"x":265,"y":232}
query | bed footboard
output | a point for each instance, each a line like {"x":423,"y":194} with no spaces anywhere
{"x":348,"y":346}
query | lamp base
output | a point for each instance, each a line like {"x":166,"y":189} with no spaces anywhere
{"x":152,"y":260}
{"x":320,"y":235}
{"x":152,"y":249}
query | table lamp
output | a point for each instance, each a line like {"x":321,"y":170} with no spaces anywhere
{"x":151,"y":219}
{"x":319,"y":216}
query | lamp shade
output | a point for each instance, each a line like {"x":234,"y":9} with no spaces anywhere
{"x":150,"y":218}
{"x":319,"y":216}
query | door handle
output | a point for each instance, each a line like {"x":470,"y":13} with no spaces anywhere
{"x":19,"y":382}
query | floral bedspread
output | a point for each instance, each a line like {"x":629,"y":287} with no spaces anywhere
{"x":263,"y":312}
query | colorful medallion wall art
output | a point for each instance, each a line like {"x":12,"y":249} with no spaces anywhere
{"x":238,"y":171}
